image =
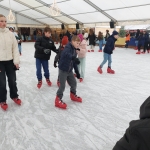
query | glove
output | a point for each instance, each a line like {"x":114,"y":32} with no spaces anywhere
{"x":47,"y":51}
{"x":55,"y":64}
{"x":56,"y":51}
{"x":77,"y":49}
{"x":77,"y":61}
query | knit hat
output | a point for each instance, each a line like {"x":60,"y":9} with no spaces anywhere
{"x":115,"y":33}
{"x":81,"y":37}
{"x":64,"y":40}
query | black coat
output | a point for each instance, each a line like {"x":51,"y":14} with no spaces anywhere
{"x":137,"y":136}
{"x":41,"y":44}
{"x":92,"y":39}
{"x":66,"y":63}
{"x":110,"y":45}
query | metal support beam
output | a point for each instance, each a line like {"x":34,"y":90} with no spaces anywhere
{"x":39,"y":11}
{"x":48,"y":5}
{"x":100,"y":10}
{"x":23,"y":15}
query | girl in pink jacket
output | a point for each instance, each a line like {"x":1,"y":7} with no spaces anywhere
{"x":82,"y":56}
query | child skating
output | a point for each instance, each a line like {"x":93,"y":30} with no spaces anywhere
{"x":66,"y":64}
{"x":43,"y":47}
{"x":108,"y":50}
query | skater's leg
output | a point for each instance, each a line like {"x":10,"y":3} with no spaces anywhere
{"x":46,"y":68}
{"x":109,"y":61}
{"x":105,"y":60}
{"x":100,"y":44}
{"x":72,"y":82}
{"x":79,"y":66}
{"x":11,"y":75}
{"x":82,"y":62}
{"x":19,"y":47}
{"x":3,"y":91}
{"x":62,"y":79}
{"x":38,"y":69}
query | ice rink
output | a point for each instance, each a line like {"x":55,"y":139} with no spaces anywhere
{"x":110,"y":102}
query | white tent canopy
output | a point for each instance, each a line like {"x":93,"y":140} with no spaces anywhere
{"x":140,"y":27}
{"x":123,"y":12}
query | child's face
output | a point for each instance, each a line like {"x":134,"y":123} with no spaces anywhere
{"x":47,"y":34}
{"x":76,"y":43}
{"x":3,"y":22}
{"x":116,"y":36}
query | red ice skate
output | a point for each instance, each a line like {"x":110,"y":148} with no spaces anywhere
{"x":109,"y":70}
{"x":39,"y":84}
{"x":100,"y":70}
{"x":89,"y":51}
{"x":100,"y":51}
{"x":138,"y":52}
{"x":92,"y":50}
{"x":17,"y":101}
{"x":4,"y":106}
{"x":59,"y":103}
{"x":49,"y":83}
{"x":75,"y":98}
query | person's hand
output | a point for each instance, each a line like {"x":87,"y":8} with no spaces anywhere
{"x":55,"y":64}
{"x":17,"y":66}
{"x":78,"y":75}
{"x":47,"y":51}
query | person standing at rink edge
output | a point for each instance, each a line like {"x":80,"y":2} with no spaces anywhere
{"x":9,"y":63}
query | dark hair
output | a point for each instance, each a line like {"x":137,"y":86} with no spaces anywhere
{"x":47,"y":29}
{"x":91,"y":32}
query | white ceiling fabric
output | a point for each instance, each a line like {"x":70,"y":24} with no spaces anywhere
{"x":83,"y":11}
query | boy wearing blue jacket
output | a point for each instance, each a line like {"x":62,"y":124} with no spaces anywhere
{"x":67,"y":62}
{"x":108,"y":50}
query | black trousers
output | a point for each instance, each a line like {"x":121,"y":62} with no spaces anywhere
{"x":146,"y":46}
{"x":139,"y":47}
{"x":7,"y":69}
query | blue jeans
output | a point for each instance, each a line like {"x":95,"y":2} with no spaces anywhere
{"x":19,"y":47}
{"x":106,"y":57}
{"x":136,"y":43}
{"x":39,"y":64}
{"x":100,"y":44}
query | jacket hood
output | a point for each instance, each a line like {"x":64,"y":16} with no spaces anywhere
{"x":4,"y":30}
{"x":145,"y":109}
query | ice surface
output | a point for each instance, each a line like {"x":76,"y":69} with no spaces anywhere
{"x":110,"y":102}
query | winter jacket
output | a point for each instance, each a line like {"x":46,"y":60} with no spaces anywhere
{"x":110,"y":44}
{"x":127,"y":37}
{"x":8,"y":46}
{"x":57,"y":58}
{"x":83,"y":50}
{"x":137,"y":35}
{"x":146,"y":37}
{"x":137,"y":136}
{"x":100,"y":38}
{"x":66,"y":60}
{"x":141,"y":39}
{"x":92,"y":39}
{"x":41,"y":44}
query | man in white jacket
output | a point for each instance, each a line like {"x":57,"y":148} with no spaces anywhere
{"x":9,"y":62}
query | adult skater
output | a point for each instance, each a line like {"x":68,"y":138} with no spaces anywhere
{"x":9,"y":62}
{"x":136,"y":39}
{"x":108,"y":50}
{"x":138,"y":134}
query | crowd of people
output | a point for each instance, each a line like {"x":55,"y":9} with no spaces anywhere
{"x":71,"y":55}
